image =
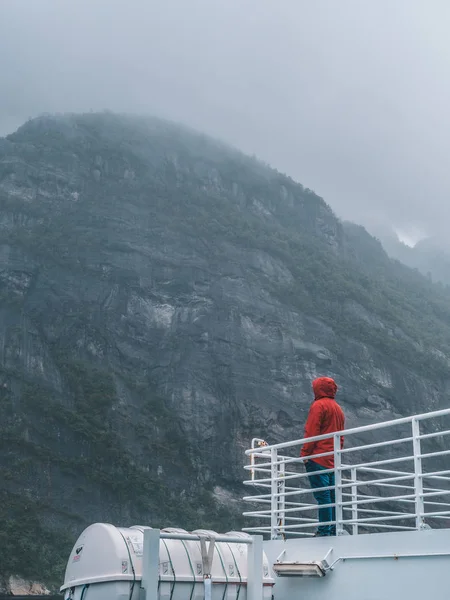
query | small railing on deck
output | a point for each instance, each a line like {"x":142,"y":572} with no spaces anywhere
{"x":389,"y":476}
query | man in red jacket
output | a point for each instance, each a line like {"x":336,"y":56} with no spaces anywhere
{"x":325,"y":416}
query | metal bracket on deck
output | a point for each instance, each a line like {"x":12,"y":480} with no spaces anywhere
{"x":207,"y":554}
{"x":207,"y":560}
{"x":315,"y":568}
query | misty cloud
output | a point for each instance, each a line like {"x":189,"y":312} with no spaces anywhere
{"x":350,"y":98}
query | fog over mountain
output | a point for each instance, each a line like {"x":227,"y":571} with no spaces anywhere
{"x":164,"y":298}
{"x":164,"y":295}
{"x":348,"y":97}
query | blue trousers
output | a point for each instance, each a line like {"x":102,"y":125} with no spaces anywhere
{"x":319,"y":480}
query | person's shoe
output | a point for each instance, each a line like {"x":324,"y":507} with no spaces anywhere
{"x":321,"y":534}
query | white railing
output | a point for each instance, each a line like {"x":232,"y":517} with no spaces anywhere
{"x":389,"y":476}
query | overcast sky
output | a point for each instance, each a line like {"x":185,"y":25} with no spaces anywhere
{"x":349,"y":97}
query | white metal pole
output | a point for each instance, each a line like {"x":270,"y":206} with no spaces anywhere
{"x":354,"y":476}
{"x":418,"y":479}
{"x":150,"y":564}
{"x":255,"y":568}
{"x":274,"y":499}
{"x":207,"y":587}
{"x":281,"y":501}
{"x":338,"y":483}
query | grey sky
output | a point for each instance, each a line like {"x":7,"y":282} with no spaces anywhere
{"x":350,"y":97}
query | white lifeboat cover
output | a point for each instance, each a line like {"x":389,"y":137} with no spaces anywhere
{"x":105,"y":553}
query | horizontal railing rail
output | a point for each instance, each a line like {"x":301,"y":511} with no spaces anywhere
{"x":379,"y":484}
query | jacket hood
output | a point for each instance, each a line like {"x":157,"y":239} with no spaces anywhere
{"x":324,"y":387}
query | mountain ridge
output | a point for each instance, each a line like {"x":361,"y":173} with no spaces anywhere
{"x":164,"y":299}
{"x":430,"y":255}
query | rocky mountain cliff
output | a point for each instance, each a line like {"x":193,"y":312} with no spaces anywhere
{"x":164,"y":299}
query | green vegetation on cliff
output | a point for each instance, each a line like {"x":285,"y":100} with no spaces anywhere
{"x":164,"y":298}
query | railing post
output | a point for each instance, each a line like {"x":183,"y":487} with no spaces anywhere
{"x":255,"y":568}
{"x":274,"y":498}
{"x":281,"y":500}
{"x":354,"y":475}
{"x":338,"y":484}
{"x":150,"y":564}
{"x":418,"y":480}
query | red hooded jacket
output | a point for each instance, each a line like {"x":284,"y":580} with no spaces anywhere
{"x":325,"y":416}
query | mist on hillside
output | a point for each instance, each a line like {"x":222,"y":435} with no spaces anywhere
{"x":350,"y":98}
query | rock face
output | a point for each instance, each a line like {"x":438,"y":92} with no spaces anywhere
{"x":163,"y":300}
{"x":16,"y":586}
